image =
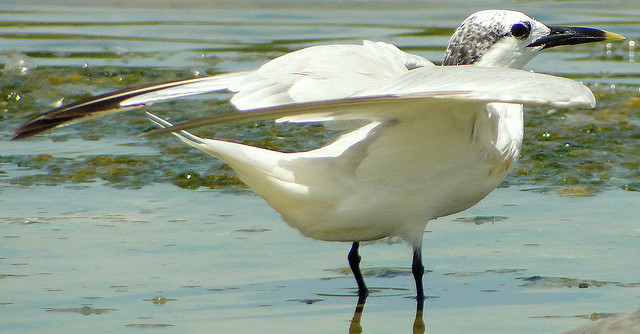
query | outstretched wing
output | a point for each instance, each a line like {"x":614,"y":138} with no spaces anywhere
{"x":316,"y":73}
{"x":331,"y":82}
{"x":121,"y":100}
{"x":459,"y":84}
{"x":488,"y":84}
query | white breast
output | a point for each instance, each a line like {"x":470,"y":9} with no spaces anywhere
{"x":399,"y":174}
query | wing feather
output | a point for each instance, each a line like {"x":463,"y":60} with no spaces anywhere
{"x":329,"y":82}
{"x":489,"y":84}
{"x":316,"y":73}
{"x":457,"y":85}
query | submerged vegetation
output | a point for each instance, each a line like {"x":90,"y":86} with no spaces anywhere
{"x":576,"y":152}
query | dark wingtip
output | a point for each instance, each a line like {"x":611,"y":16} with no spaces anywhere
{"x":90,"y":108}
{"x":75,"y":112}
{"x":64,"y":115}
{"x":41,"y":124}
{"x":21,"y":134}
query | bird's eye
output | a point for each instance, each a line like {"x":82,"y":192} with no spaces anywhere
{"x":521,"y":30}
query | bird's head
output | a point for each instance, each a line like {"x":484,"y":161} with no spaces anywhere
{"x":506,"y":38}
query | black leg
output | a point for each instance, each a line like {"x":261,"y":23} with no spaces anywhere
{"x":354,"y":263}
{"x":418,"y":271}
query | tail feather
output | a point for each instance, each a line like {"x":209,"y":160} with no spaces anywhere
{"x":253,"y":164}
{"x":183,"y":135}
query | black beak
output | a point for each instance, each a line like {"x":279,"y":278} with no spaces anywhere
{"x":574,"y":35}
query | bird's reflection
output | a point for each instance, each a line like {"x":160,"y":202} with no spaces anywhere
{"x":418,"y":323}
{"x":356,"y":328}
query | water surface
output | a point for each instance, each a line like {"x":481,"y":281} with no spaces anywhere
{"x":104,"y":233}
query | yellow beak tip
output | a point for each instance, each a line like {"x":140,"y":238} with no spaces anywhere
{"x":612,"y":36}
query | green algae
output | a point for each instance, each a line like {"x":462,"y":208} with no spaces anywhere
{"x":542,"y":282}
{"x":479,"y":220}
{"x":84,"y":310}
{"x":576,"y":152}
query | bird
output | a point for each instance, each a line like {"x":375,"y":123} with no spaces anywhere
{"x":423,"y":141}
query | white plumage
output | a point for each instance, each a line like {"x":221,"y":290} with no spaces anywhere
{"x":429,"y":140}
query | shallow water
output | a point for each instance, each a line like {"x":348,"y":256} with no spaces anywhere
{"x":104,"y":233}
{"x":92,"y":258}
